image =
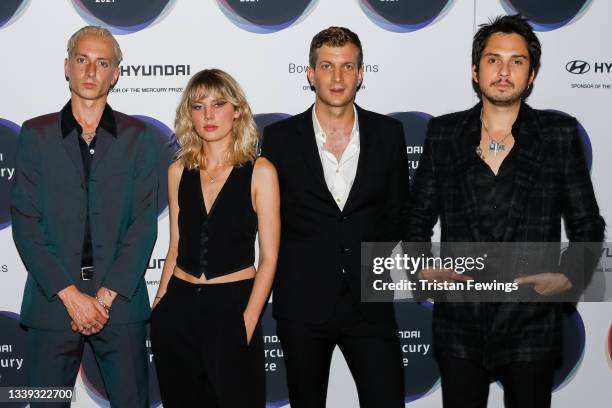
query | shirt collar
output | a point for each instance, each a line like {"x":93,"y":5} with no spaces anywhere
{"x":475,"y":125}
{"x":320,"y":133}
{"x":69,"y":123}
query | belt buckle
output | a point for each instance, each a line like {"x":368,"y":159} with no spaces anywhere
{"x":87,"y":273}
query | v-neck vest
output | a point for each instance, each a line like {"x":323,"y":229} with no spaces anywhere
{"x":222,"y":241}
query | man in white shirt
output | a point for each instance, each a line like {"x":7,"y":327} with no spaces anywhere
{"x":343,"y":175}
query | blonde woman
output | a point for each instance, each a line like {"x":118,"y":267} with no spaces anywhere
{"x":205,"y":330}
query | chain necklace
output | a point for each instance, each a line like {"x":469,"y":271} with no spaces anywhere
{"x":212,"y":179}
{"x":494,"y":145}
{"x":88,"y":136}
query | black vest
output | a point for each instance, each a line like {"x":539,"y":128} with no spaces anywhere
{"x":222,"y":241}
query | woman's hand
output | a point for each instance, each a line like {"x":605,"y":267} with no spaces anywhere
{"x":250,"y":322}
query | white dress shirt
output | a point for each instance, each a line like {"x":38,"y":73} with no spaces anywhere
{"x":339,"y":175}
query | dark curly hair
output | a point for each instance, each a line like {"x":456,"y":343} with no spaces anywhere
{"x":515,"y":24}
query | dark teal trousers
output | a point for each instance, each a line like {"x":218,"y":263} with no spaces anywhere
{"x":55,"y":357}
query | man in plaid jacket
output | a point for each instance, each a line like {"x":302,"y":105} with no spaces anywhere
{"x":502,"y":172}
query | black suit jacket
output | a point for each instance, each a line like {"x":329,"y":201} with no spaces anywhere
{"x":48,"y":205}
{"x":318,"y":241}
{"x":552,"y":182}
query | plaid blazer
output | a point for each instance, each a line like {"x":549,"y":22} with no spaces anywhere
{"x":551,"y":182}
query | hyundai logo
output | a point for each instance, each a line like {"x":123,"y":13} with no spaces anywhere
{"x":578,"y":67}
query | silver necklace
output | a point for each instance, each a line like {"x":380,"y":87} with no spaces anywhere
{"x":494,"y":145}
{"x":88,"y":136}
{"x":211,"y":179}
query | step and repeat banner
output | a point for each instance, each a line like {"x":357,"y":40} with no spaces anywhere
{"x":417,"y":56}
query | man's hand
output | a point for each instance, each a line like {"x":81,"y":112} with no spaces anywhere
{"x":88,"y":316}
{"x":108,"y":296}
{"x":442,"y":275}
{"x":547,"y":283}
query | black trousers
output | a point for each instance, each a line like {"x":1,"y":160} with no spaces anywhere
{"x":371,"y":349}
{"x":55,"y":358}
{"x":200,"y":348}
{"x":465,"y":383}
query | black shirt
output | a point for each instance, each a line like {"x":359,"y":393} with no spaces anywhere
{"x":70,"y":124}
{"x":494,"y":192}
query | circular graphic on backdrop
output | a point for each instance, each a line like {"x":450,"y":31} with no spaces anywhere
{"x":264,"y":119}
{"x":415,"y":130}
{"x":403,"y":16}
{"x":547,"y":15}
{"x":573,"y":340}
{"x":13,"y":359}
{"x":166,"y":147}
{"x":421,"y":373}
{"x":123,"y":16}
{"x":11,"y":10}
{"x":90,"y":374}
{"x":573,"y":347}
{"x":584,"y":138}
{"x":9,"y":133}
{"x":277,"y":394}
{"x":269,"y":16}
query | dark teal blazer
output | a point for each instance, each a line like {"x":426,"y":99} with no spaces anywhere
{"x":48,"y":208}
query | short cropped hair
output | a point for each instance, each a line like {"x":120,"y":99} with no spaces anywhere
{"x":334,"y":37}
{"x":95,"y":31}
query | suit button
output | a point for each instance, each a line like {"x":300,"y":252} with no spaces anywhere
{"x":344,"y":250}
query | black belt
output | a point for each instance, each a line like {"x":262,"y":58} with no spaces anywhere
{"x":87,"y":272}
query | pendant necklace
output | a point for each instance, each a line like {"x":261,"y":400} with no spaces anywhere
{"x":211,"y":179}
{"x":494,"y":145}
{"x":88,"y":136}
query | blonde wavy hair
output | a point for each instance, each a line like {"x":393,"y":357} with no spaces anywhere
{"x":243,"y":147}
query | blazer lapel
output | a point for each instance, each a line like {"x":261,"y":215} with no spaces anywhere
{"x":103,"y":141}
{"x":528,"y":165}
{"x":310,"y":153}
{"x":464,"y":160}
{"x":71,"y":144}
{"x":365,"y":151}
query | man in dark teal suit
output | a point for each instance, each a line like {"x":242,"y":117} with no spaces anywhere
{"x":84,"y":222}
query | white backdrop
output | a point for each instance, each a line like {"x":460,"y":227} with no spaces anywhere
{"x":407,"y":70}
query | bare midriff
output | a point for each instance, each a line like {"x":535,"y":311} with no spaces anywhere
{"x":246,"y":273}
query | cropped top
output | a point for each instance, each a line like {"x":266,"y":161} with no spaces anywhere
{"x":221,"y":241}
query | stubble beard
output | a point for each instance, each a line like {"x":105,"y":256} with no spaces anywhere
{"x":503,"y":100}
